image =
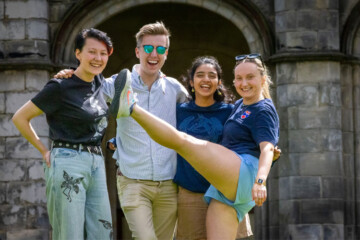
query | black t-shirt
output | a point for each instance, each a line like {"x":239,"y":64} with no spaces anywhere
{"x":76,"y":111}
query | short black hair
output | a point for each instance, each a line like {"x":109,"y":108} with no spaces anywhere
{"x":93,"y":33}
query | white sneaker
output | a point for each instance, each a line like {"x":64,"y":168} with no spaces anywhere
{"x":124,"y":97}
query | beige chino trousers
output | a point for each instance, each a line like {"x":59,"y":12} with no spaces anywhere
{"x":150,"y":207}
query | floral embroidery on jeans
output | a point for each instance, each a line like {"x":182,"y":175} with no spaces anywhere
{"x":70,"y":184}
{"x":107,"y":225}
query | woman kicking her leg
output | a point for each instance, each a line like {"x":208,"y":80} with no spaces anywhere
{"x":239,"y":167}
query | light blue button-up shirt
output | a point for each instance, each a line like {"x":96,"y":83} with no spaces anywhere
{"x":137,"y":155}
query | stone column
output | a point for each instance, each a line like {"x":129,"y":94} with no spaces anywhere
{"x":356,"y":183}
{"x":350,"y":128}
{"x":24,"y":69}
{"x":310,"y":175}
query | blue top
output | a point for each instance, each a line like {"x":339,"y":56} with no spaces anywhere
{"x":249,"y":125}
{"x":204,"y":123}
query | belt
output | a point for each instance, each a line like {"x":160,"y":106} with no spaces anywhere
{"x":77,"y":146}
{"x":147,"y":182}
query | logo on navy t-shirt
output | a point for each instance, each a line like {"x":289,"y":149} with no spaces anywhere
{"x":245,"y":114}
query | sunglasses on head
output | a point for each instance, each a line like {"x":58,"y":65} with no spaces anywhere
{"x":250,"y":56}
{"x":159,"y":49}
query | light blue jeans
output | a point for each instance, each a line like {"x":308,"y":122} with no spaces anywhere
{"x":77,"y":197}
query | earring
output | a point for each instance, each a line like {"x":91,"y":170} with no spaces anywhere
{"x":192,"y":89}
{"x":218,"y":92}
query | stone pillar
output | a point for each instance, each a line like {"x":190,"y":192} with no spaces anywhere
{"x":310,"y":175}
{"x":356,"y":183}
{"x":350,"y":121}
{"x":24,"y":69}
{"x":353,"y":96}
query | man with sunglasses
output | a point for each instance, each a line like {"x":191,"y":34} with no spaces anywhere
{"x":147,"y":194}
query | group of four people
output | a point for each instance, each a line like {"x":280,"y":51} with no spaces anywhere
{"x":76,"y":111}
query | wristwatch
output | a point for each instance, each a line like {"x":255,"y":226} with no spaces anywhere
{"x":260,"y":181}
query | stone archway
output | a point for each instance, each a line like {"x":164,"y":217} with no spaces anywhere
{"x":240,"y":22}
{"x":350,"y":39}
{"x":191,"y":37}
{"x":243,"y":15}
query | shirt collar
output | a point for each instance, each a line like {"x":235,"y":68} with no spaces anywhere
{"x":140,"y":83}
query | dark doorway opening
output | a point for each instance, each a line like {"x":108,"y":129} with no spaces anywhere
{"x":195,"y":32}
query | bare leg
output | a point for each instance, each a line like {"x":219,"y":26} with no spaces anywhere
{"x":217,"y":164}
{"x":221,"y":221}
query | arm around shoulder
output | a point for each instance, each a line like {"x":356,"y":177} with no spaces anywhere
{"x":183,"y":94}
{"x":108,"y":87}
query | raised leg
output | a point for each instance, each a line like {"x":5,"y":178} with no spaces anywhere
{"x":219,"y":165}
{"x":216,"y":163}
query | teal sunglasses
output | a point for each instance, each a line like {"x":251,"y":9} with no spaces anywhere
{"x":159,"y":49}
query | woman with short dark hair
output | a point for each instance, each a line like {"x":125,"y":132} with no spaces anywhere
{"x":76,"y":111}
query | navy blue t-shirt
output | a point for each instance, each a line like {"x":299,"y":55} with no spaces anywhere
{"x":204,"y":123}
{"x":249,"y":125}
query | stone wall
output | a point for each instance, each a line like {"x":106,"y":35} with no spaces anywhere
{"x":24,"y":43}
{"x":315,"y":183}
{"x":22,"y":198}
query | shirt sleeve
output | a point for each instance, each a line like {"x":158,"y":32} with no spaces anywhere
{"x":49,"y":98}
{"x":266,"y":127}
{"x":108,"y":88}
{"x":182,"y":95}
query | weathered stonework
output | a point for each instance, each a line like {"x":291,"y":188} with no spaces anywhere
{"x":35,"y":169}
{"x":37,"y":29}
{"x":12,"y":81}
{"x":26,"y":9}
{"x":1,"y":9}
{"x":2,"y":102}
{"x":28,"y":49}
{"x":20,"y":148}
{"x":16,"y":99}
{"x":12,"y":30}
{"x":2,"y":147}
{"x":35,"y":80}
{"x":28,"y":234}
{"x":12,"y":170}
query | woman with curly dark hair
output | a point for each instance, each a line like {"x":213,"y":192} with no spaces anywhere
{"x":203,"y":117}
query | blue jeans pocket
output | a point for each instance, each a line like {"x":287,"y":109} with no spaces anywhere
{"x":64,"y":153}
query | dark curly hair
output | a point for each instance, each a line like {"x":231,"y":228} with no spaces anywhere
{"x":222,"y":94}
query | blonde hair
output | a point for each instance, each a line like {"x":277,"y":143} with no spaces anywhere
{"x":263,"y":72}
{"x":157,"y":28}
